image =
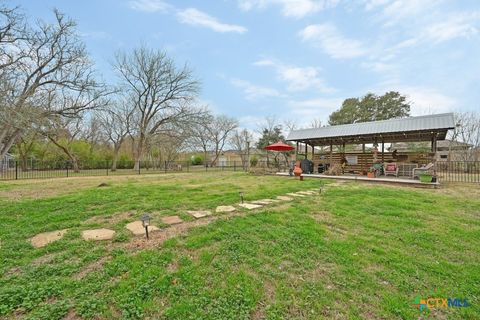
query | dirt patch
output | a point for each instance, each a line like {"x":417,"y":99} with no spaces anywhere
{"x":42,"y":239}
{"x":47,"y":258}
{"x":94,"y":266}
{"x":111,"y":219}
{"x":157,"y":238}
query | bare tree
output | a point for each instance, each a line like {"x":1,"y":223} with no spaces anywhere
{"x":62,"y":132}
{"x":48,"y":60}
{"x":468,"y":131}
{"x":200,"y":137}
{"x":220,"y":130}
{"x":160,"y":92}
{"x":240,"y":141}
{"x":116,"y":121}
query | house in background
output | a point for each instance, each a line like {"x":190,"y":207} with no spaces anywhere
{"x":447,"y":150}
{"x":8,"y":162}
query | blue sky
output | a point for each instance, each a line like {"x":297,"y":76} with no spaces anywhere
{"x":295,"y":59}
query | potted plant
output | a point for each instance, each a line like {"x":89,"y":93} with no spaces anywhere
{"x":425,"y":177}
{"x":371,"y":172}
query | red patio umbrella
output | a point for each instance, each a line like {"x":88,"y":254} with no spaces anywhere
{"x":279,"y":146}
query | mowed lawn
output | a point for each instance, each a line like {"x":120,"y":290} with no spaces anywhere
{"x":355,"y":251}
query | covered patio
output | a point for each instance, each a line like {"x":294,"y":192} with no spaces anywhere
{"x":346,"y":145}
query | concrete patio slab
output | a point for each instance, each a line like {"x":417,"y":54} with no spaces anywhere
{"x":225,"y":209}
{"x":250,"y":206}
{"x":137,"y":228}
{"x":171,"y":220}
{"x":42,"y":239}
{"x":199,"y":213}
{"x":98,"y":234}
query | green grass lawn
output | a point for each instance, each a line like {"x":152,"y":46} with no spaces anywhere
{"x":356,"y":251}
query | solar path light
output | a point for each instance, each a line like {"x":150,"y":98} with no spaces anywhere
{"x":241,"y":195}
{"x":145,"y":218}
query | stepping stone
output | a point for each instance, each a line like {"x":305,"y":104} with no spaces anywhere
{"x":42,"y":239}
{"x":296,"y":195}
{"x":225,"y":209}
{"x":250,"y":206}
{"x":137,"y":228}
{"x":199,"y":214}
{"x":262,"y":202}
{"x":171,"y":220}
{"x":98,"y":234}
{"x":308,"y":193}
{"x":284,"y":198}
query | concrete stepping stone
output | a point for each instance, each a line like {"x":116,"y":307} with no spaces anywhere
{"x":171,"y":220}
{"x":308,"y":193}
{"x":137,"y":228}
{"x":225,"y":209}
{"x":42,"y":239}
{"x":200,"y":213}
{"x":250,"y":206}
{"x":296,"y":195}
{"x":265,"y":201}
{"x":284,"y":198}
{"x":98,"y":234}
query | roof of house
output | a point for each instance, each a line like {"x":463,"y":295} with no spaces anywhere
{"x":421,"y":128}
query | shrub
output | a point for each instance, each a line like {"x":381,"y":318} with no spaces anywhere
{"x":253,"y":161}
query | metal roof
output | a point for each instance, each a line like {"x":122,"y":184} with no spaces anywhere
{"x":410,"y":129}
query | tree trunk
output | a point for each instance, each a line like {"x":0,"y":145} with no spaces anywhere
{"x":6,"y":146}
{"x":116,"y":150}
{"x":139,"y":151}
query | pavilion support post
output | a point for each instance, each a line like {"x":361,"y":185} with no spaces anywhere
{"x":331,"y":153}
{"x":383,"y":151}
{"x":306,"y":150}
{"x":296,"y":152}
{"x":363,"y":147}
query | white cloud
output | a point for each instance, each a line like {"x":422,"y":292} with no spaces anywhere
{"x":253,"y":92}
{"x":327,"y":37}
{"x":428,"y":100}
{"x":394,"y":12}
{"x":149,"y":5}
{"x":297,"y":78}
{"x":290,"y":8}
{"x":317,"y":108}
{"x":196,"y":17}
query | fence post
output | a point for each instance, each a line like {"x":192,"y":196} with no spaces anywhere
{"x":106,"y":166}
{"x":188,"y":166}
{"x":16,"y":169}
{"x":234,"y":165}
{"x":139,"y":165}
{"x":165,"y":164}
{"x":66,"y":164}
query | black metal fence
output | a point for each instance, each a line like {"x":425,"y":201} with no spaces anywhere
{"x":16,"y":170}
{"x":458,"y":171}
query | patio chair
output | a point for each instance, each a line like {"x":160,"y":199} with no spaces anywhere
{"x":426,"y":168}
{"x":391,"y":169}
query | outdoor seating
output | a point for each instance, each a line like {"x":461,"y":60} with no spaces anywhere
{"x":391,"y":169}
{"x":424,"y":169}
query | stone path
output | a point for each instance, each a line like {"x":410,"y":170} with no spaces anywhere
{"x":250,"y":206}
{"x":98,"y":234}
{"x":225,"y":209}
{"x":200,"y":213}
{"x":138,"y":229}
{"x":171,"y":220}
{"x":42,"y":239}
